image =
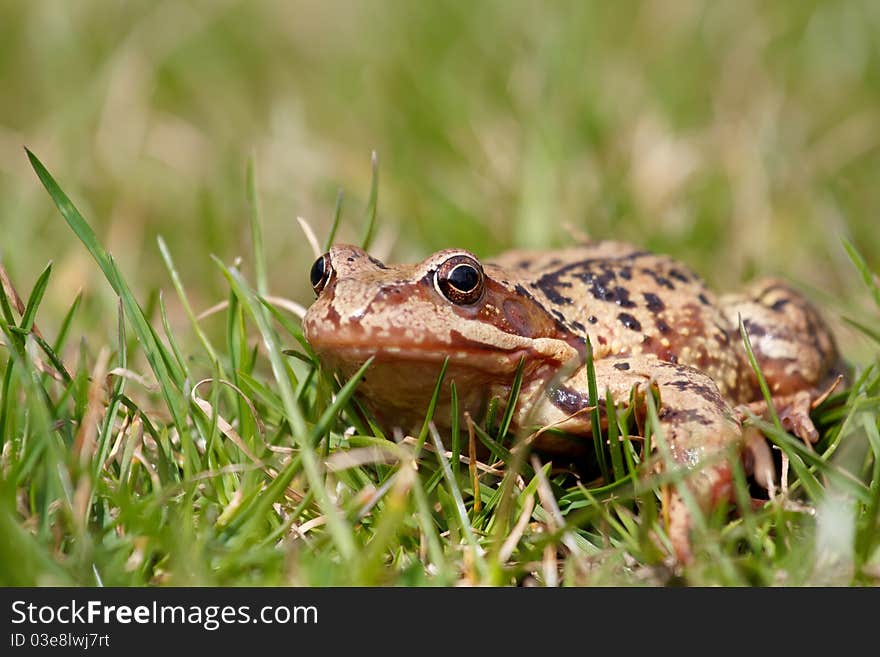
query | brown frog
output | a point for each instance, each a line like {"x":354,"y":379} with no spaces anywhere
{"x":650,"y":321}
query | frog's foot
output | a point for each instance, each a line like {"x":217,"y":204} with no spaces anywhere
{"x":794,"y":410}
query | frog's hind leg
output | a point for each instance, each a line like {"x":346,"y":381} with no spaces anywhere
{"x":794,"y":349}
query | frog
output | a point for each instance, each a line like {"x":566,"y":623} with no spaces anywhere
{"x":646,"y":321}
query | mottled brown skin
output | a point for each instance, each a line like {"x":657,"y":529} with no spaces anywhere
{"x":649,"y":318}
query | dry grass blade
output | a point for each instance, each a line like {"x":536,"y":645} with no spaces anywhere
{"x":10,"y":290}
{"x":479,"y":465}
{"x":225,"y":428}
{"x":310,"y":236}
{"x":140,"y":379}
{"x":357,"y":457}
{"x":518,"y":530}
{"x":291,"y":306}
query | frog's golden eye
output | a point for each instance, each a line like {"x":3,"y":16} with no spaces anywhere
{"x":460,"y":279}
{"x":321,"y":272}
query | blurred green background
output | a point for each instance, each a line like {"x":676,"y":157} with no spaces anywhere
{"x":742,"y":137}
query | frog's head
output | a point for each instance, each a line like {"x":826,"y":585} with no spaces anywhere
{"x":410,"y":318}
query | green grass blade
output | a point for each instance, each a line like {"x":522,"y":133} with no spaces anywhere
{"x":871,"y":333}
{"x":512,"y":398}
{"x":337,"y":526}
{"x":613,"y":438}
{"x":61,"y":339}
{"x":184,"y":300}
{"x":337,"y":216}
{"x":598,"y":439}
{"x":869,"y":278}
{"x":762,"y":382}
{"x":256,"y":221}
{"x":460,"y":509}
{"x":154,"y":351}
{"x":332,"y":412}
{"x":6,"y":402}
{"x":290,"y":327}
{"x":370,"y":220}
{"x":172,"y":341}
{"x":53,"y":357}
{"x":455,"y":429}
{"x":105,"y":440}
{"x":429,"y":414}
{"x":30,"y":311}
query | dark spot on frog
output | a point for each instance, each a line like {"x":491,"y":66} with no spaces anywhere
{"x":703,"y":299}
{"x":523,"y":292}
{"x":721,"y":335}
{"x":622,"y":296}
{"x":677,"y":275}
{"x":524,"y":264}
{"x":570,"y":401}
{"x":629,"y":321}
{"x":625,"y":273}
{"x":378,"y":263}
{"x":558,"y":315}
{"x":592,"y":319}
{"x":680,"y":415}
{"x":653,"y":302}
{"x":600,"y":285}
{"x":662,"y":326}
{"x":704,"y":390}
{"x":754,"y":330}
{"x":779,"y":305}
{"x":621,"y":366}
{"x":548,"y":284}
{"x":577,"y":326}
{"x":662,"y":281}
{"x":555,"y":262}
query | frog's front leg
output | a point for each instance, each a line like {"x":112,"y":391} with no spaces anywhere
{"x":699,"y":427}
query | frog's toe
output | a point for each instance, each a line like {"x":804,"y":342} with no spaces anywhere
{"x":794,"y":413}
{"x":757,"y":459}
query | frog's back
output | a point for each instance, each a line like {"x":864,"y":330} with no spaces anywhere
{"x":631,"y":301}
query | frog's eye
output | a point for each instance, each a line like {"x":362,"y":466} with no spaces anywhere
{"x":460,"y":279}
{"x":321,"y":272}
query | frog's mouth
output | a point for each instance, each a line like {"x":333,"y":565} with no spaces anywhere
{"x":400,"y":383}
{"x":352,"y":356}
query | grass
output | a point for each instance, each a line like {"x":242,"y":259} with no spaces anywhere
{"x":145,"y":440}
{"x":237,"y":464}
